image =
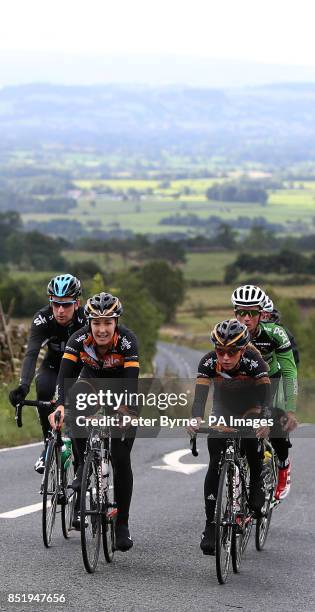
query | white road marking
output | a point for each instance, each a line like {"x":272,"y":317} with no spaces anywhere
{"x":22,"y":511}
{"x":173,"y":463}
{"x":12,"y":448}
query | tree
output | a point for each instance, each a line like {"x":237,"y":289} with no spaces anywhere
{"x":165,"y":285}
{"x":170,"y":250}
{"x":141,"y":315}
{"x":260,"y":239}
{"x":41,"y":252}
{"x":226,"y":236}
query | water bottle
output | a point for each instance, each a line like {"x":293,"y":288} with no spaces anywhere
{"x":66,"y":452}
{"x":267,"y":456}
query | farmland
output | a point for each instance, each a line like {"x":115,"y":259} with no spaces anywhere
{"x":141,"y":205}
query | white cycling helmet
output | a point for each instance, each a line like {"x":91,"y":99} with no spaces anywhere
{"x":248,"y":295}
{"x":268,"y":305}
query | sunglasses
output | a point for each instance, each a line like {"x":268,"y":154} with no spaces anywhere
{"x":229,"y":351}
{"x":251,"y":313}
{"x":63,"y":304}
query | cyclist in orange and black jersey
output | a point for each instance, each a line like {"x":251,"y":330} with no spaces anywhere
{"x":104,"y":349}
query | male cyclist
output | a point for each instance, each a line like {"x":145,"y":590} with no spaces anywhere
{"x":104,"y":349}
{"x":273,"y":343}
{"x":52,"y":326}
{"x":272,"y":315}
{"x":241,"y":389}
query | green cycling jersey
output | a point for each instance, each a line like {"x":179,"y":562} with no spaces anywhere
{"x":274,"y":344}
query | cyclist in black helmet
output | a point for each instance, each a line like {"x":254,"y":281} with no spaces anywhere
{"x":241,"y":389}
{"x":52,"y":326}
{"x":104,"y":349}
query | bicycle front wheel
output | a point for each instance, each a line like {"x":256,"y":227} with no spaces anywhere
{"x":50,"y":493}
{"x":67,"y":508}
{"x":243,"y":527}
{"x":109,"y":511}
{"x":90,"y":512}
{"x":223,"y":525}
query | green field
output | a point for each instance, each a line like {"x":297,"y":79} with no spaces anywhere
{"x":143,"y":213}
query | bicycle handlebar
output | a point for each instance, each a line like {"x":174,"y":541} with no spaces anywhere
{"x":36,"y":403}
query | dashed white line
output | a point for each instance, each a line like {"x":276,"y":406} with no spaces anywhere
{"x":12,"y":448}
{"x":21,"y":511}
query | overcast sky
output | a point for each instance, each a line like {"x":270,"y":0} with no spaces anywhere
{"x":270,"y":31}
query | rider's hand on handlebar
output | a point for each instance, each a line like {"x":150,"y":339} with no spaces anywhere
{"x":290,"y":422}
{"x":51,"y":417}
{"x":16,"y":396}
{"x":262,"y":432}
{"x":125,"y":411}
{"x":194,"y":425}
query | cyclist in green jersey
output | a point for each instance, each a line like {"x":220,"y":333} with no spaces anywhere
{"x":270,"y":314}
{"x":274,"y":345}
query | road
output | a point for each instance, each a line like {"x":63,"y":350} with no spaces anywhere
{"x":165,"y":570}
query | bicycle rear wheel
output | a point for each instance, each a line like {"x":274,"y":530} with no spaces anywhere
{"x":109,"y":512}
{"x":262,"y":528}
{"x":50,"y":492}
{"x":223,"y":525}
{"x":67,"y":508}
{"x":90,"y":513}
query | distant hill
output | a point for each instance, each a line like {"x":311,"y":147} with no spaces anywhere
{"x":150,"y":69}
{"x":273,"y":123}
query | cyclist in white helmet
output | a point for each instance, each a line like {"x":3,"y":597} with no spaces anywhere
{"x":272,"y":341}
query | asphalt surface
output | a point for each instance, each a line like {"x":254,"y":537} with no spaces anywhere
{"x":165,"y":570}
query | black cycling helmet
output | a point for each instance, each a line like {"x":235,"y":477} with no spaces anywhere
{"x":103,"y":305}
{"x":230,"y":333}
{"x":64,"y":285}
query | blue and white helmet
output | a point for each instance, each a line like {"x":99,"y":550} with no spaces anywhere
{"x":248,"y":295}
{"x":64,"y":285}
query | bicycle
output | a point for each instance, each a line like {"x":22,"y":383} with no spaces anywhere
{"x":233,"y":518}
{"x":55,"y":487}
{"x":98,"y":509}
{"x":270,"y":479}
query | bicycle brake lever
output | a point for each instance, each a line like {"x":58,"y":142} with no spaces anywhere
{"x":193,"y":446}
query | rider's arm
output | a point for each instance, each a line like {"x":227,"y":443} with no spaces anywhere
{"x":37,"y":336}
{"x":201,"y":396}
{"x":289,"y":376}
{"x":206,"y":371}
{"x":287,"y":365}
{"x":263,"y":387}
{"x":69,"y":368}
{"x":131,"y":370}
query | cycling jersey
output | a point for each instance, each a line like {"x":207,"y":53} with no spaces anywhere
{"x":120,"y":361}
{"x":273,"y":343}
{"x":239,"y":391}
{"x":46,"y":331}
